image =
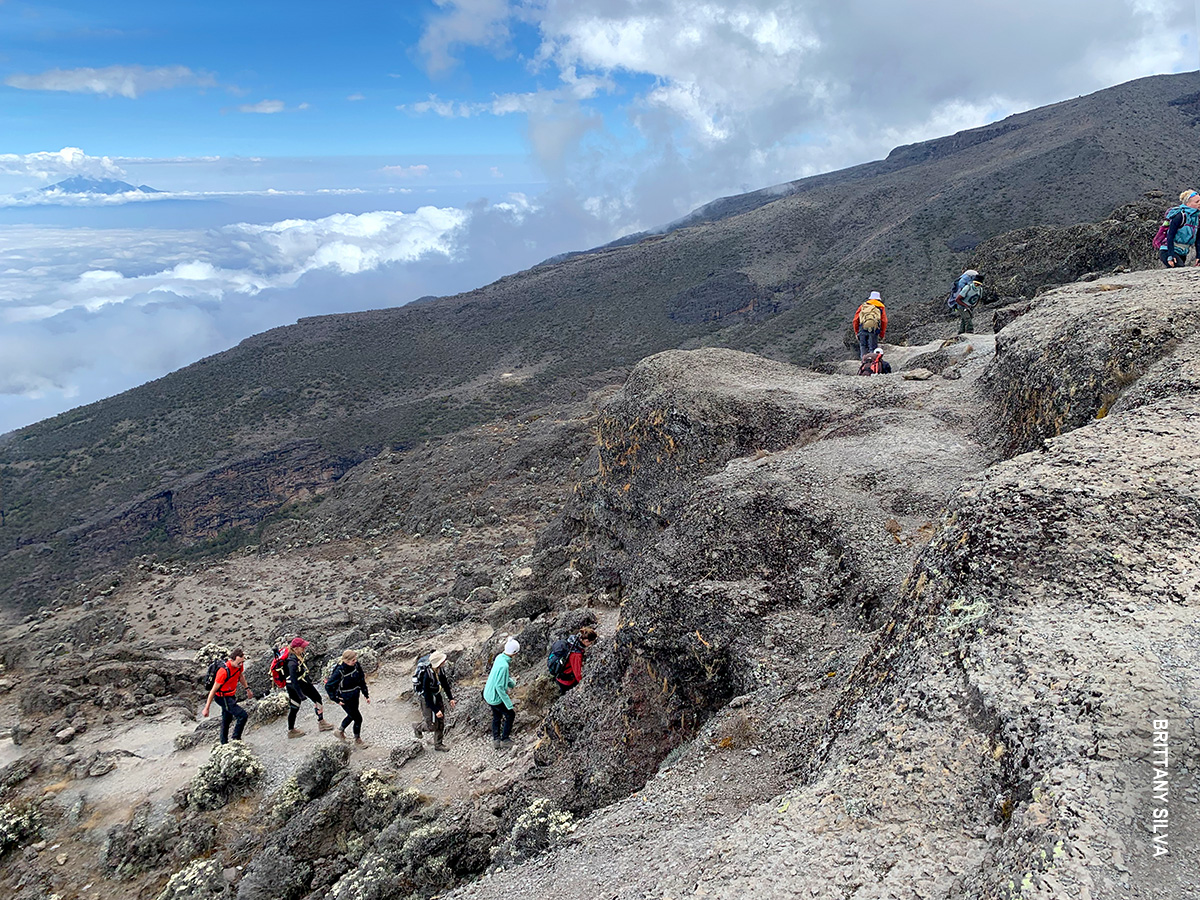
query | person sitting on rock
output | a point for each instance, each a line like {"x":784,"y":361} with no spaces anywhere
{"x":224,"y":691}
{"x":870,"y":324}
{"x":299,"y":687}
{"x":1183,"y":224}
{"x":344,"y":684}
{"x":572,"y":670}
{"x":433,"y":686}
{"x":495,"y":693}
{"x":966,"y":298}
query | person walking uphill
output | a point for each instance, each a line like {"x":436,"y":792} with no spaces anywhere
{"x":495,"y":693}
{"x":870,"y":324}
{"x":224,"y":691}
{"x":572,"y":650}
{"x":1182,"y":225}
{"x":433,"y":685}
{"x":299,"y":686}
{"x":966,"y":298}
{"x":344,"y":684}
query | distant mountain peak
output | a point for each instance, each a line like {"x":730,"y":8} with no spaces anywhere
{"x":81,"y":184}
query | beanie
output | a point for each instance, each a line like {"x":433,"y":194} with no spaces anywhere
{"x":511,"y":646}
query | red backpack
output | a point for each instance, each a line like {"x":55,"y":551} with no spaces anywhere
{"x":279,"y":666}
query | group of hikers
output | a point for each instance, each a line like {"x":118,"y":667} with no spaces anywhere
{"x":870,"y":320}
{"x":1176,"y":238}
{"x":347,"y":683}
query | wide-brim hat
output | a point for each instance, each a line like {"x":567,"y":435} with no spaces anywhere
{"x":874,"y":296}
{"x":437,"y":659}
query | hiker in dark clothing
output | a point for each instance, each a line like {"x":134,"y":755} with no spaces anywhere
{"x":1183,"y":225}
{"x":299,"y":687}
{"x":345,"y":683}
{"x":434,"y":688}
{"x":224,"y":691}
{"x":577,"y":646}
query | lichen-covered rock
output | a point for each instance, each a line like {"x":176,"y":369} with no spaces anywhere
{"x":19,"y":823}
{"x":231,"y":770}
{"x":275,"y":875}
{"x":201,"y":879}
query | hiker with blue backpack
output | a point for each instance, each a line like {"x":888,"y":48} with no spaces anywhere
{"x":225,"y":678}
{"x":495,"y":694}
{"x":968,"y":291}
{"x":1177,"y":234}
{"x":565,"y":659}
{"x":431,"y":684}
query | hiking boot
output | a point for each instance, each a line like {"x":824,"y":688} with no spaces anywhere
{"x":359,"y":742}
{"x":506,"y":744}
{"x":417,"y":730}
{"x":324,"y":726}
{"x":441,"y":747}
{"x":495,"y":745}
{"x":295,"y":733}
{"x":339,"y":734}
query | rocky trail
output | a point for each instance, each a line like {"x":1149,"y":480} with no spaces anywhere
{"x":890,"y":637}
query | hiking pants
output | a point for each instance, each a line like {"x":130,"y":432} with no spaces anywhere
{"x":230,"y":711}
{"x":867,"y":341}
{"x":433,"y":723}
{"x":1180,"y":259}
{"x":966,"y":320}
{"x":502,"y":720}
{"x":353,"y":714}
{"x":296,"y":694}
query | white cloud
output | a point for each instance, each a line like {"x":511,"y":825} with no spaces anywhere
{"x":51,"y":165}
{"x":481,"y":23}
{"x":263,"y":107}
{"x":353,"y":98}
{"x":112,"y":81}
{"x":417,"y":171}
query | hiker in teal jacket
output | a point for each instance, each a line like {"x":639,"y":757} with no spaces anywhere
{"x":495,"y":692}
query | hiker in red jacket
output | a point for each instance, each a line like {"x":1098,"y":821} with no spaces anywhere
{"x":224,"y":691}
{"x":572,"y":672}
{"x":870,"y":324}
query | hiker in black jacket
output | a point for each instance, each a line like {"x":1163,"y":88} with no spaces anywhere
{"x":345,"y":683}
{"x":433,"y":685}
{"x":299,"y":687}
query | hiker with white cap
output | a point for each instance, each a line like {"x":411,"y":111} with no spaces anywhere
{"x":495,"y":693}
{"x":870,"y":324}
{"x":433,"y":687}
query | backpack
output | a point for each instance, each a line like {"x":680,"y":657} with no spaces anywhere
{"x":560,"y":651}
{"x":279,"y":666}
{"x":873,"y":364}
{"x":970,"y":295}
{"x":333,"y":684}
{"x":870,"y":317}
{"x":214,"y":667}
{"x":1160,"y":236}
{"x":421,"y":677}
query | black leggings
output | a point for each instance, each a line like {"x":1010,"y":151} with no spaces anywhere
{"x":502,"y":720}
{"x":1165,"y":254}
{"x":296,"y":694}
{"x":230,"y":711}
{"x":353,"y":714}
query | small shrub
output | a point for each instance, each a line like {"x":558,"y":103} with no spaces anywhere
{"x":539,"y":828}
{"x":270,"y":708}
{"x":18,"y":823}
{"x":201,"y":879}
{"x":230,"y":770}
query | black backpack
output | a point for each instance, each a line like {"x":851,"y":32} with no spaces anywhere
{"x":421,"y":677}
{"x":214,"y":667}
{"x":560,"y":651}
{"x":333,"y":684}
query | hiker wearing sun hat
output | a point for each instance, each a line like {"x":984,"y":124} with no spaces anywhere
{"x":433,"y":686}
{"x":300,"y":687}
{"x":1177,"y":234}
{"x":870,"y":324}
{"x":495,"y":692}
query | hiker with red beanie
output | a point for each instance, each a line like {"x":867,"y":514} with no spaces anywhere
{"x":300,"y":686}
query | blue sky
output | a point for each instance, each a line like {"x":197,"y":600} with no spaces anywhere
{"x":321,"y":158}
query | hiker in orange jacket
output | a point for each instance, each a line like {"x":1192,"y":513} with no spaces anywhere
{"x":870,"y":324}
